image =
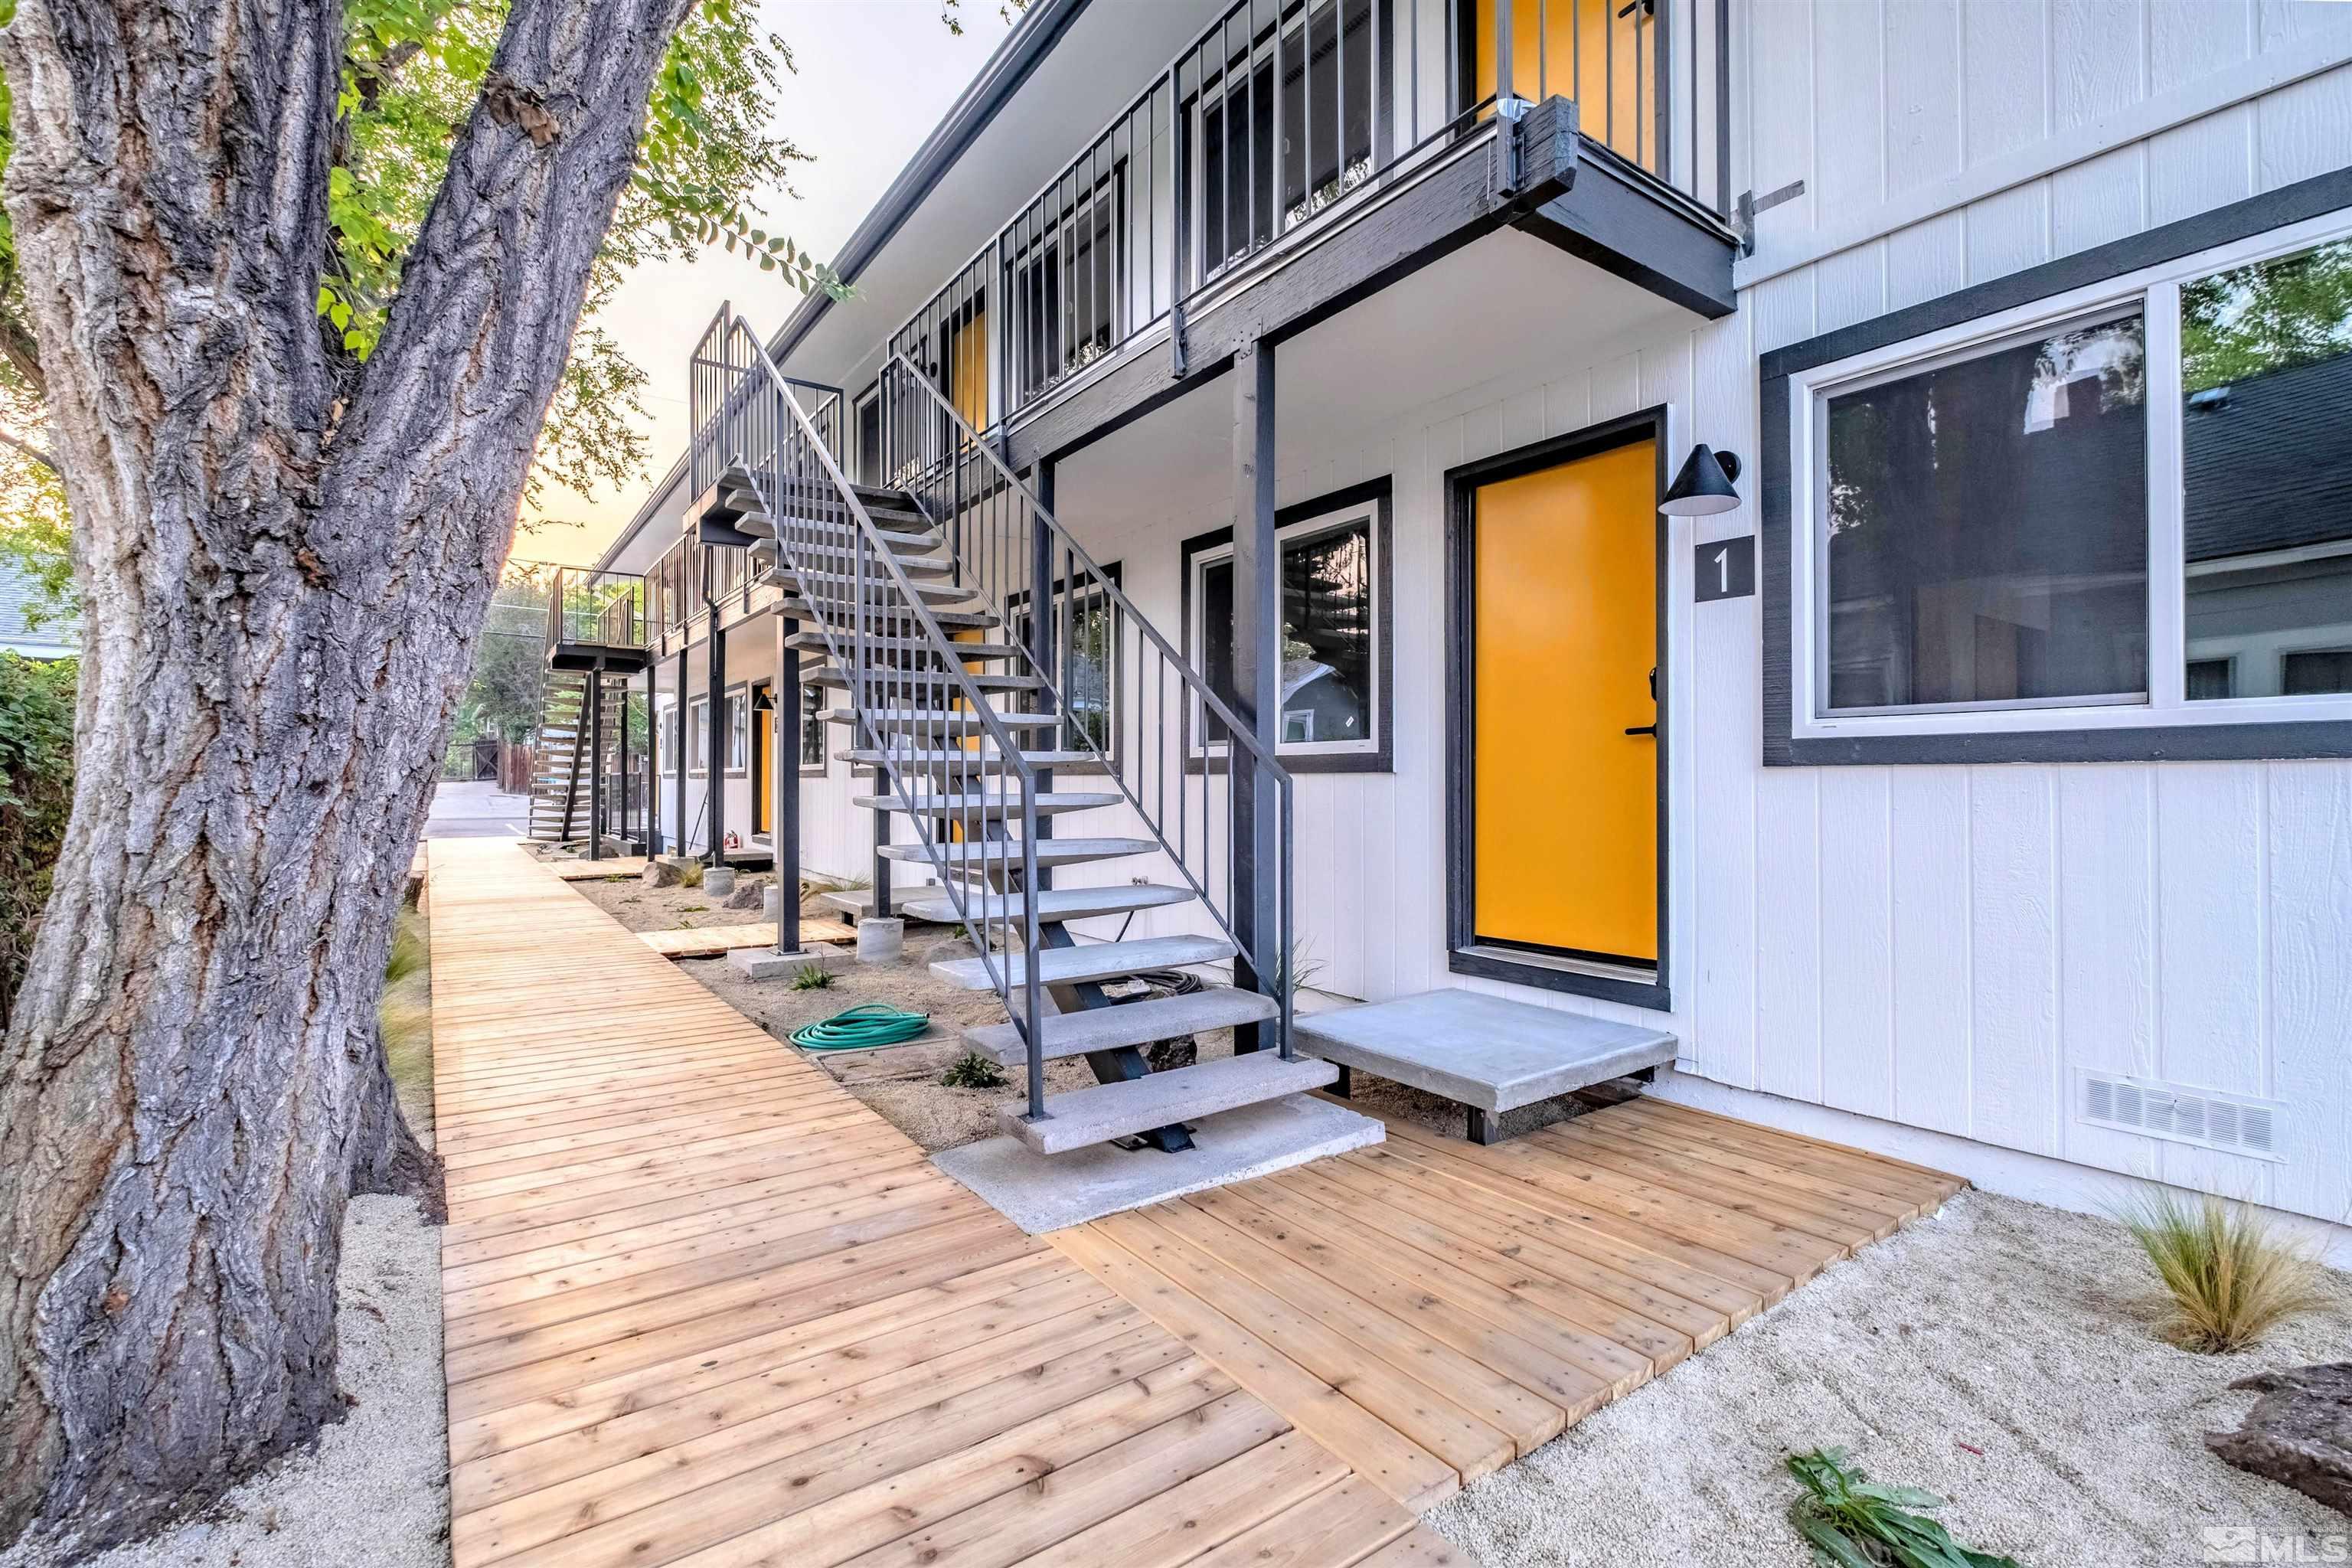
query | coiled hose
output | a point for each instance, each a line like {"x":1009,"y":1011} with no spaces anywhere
{"x":862,"y":1028}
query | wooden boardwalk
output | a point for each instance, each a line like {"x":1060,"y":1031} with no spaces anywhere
{"x":1428,"y":1310}
{"x":702,"y":1307}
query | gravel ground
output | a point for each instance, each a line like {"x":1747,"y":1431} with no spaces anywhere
{"x":2003,"y":1354}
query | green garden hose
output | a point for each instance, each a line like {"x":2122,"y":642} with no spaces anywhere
{"x":861,"y":1028}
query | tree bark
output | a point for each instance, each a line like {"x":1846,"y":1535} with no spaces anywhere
{"x":286,"y":570}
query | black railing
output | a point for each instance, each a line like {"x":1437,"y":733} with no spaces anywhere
{"x":606,"y":609}
{"x":1132,"y":709}
{"x":1279,"y":112}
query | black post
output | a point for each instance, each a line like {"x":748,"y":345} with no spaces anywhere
{"x":653,"y":759}
{"x":1257,"y":675}
{"x":715,"y":776}
{"x":596,"y":761}
{"x":784,"y":814}
{"x":621,"y":764}
{"x":880,"y":906}
{"x":1041,"y":621}
{"x":677,"y":762}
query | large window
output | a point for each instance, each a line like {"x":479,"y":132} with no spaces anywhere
{"x":1086,"y":638}
{"x":697,"y":737}
{"x":1068,"y":286}
{"x":739,"y":731}
{"x":1324,"y":96}
{"x":2126,"y":507}
{"x":1332,"y":686}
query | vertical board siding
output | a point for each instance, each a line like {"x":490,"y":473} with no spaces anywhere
{"x":1943,"y":947}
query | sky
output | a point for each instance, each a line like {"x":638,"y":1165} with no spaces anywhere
{"x":873,"y":77}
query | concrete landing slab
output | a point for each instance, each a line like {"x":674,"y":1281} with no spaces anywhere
{"x":1480,"y":1050}
{"x":1047,"y":1192}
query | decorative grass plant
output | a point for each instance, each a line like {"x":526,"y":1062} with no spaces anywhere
{"x":2232,"y":1276}
{"x":972,"y":1071}
{"x":1852,"y":1521}
{"x":812,"y":977}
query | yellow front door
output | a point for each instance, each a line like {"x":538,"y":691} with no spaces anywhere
{"x":763,"y":799}
{"x":1564,"y":801}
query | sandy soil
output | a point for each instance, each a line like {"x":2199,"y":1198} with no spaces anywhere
{"x":2003,"y":1354}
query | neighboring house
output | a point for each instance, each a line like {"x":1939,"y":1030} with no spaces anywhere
{"x":28,"y":625}
{"x":1976,"y":789}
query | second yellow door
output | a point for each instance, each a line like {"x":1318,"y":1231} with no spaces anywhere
{"x":1564,"y":801}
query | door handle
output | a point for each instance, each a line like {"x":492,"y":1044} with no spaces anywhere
{"x":1641,"y":729}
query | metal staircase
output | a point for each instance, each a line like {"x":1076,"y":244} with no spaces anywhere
{"x":923,"y":601}
{"x":562,"y":782}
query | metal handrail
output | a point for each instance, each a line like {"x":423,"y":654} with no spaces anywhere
{"x":964,"y":445}
{"x":879,"y":601}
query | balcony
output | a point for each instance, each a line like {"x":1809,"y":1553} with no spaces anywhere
{"x":597,"y":620}
{"x":1288,"y":124}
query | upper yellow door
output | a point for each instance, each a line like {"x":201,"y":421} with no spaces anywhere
{"x":968,"y":370}
{"x":1564,"y":801}
{"x":1582,"y":50}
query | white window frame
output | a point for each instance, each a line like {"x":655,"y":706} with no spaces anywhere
{"x":2157,"y":291}
{"x":697,"y":737}
{"x":1366,"y":512}
{"x":739,"y":731}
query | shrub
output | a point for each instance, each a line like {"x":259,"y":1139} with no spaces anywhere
{"x":36,"y":713}
{"x":813,"y":977}
{"x":690,"y":875}
{"x":972,"y":1071}
{"x":2231,"y":1276}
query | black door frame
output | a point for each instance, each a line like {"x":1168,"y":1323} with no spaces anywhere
{"x":1465,"y":954}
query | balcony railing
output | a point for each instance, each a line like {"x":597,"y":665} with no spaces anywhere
{"x":606,"y":609}
{"x":1280,"y":112}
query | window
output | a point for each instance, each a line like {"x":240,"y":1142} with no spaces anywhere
{"x":666,"y":739}
{"x":1067,"y":287}
{"x":739,"y":732}
{"x":1334,"y":570}
{"x":813,"y":729}
{"x":2126,"y":507}
{"x":1086,"y":634}
{"x":697,"y":737}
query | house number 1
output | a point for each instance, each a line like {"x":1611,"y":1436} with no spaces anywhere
{"x":1724,"y":568}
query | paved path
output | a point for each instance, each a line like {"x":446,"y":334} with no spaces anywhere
{"x":703,"y":1306}
{"x":476,"y":809}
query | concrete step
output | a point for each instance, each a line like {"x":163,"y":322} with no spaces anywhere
{"x":1051,"y":803}
{"x":1089,"y":960}
{"x":884,"y":647}
{"x":1143,"y":1022}
{"x":996,"y":855}
{"x":879,"y":586}
{"x":957,"y":763}
{"x":897,"y":677}
{"x":842,"y":558}
{"x":1084,"y":1117}
{"x":890,"y":614}
{"x":1053,"y":905}
{"x":938,"y":720}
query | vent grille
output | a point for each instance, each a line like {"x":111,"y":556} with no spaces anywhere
{"x":2238,"y":1123}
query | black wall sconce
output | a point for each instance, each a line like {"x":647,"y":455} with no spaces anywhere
{"x":1703,"y":487}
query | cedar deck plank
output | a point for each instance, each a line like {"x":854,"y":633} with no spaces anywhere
{"x":701,"y":1305}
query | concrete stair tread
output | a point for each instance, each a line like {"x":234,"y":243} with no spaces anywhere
{"x":1054,"y":904}
{"x":1049,"y":803}
{"x":971,"y":764}
{"x":880,"y":585}
{"x":937,"y":718}
{"x":996,"y":853}
{"x":969,"y":653}
{"x":1089,"y":960}
{"x":893,"y":614}
{"x":1143,"y":1022}
{"x":933,"y":680}
{"x":1094,"y":1115}
{"x":1484,"y":1051}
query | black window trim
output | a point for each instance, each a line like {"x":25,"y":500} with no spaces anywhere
{"x":2246,"y":741}
{"x":1379,"y":493}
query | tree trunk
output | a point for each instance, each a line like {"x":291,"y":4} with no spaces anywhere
{"x":287,"y":566}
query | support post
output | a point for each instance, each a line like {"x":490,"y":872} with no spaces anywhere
{"x":881,"y":906}
{"x":1041,"y":621}
{"x":677,"y":762}
{"x":1257,"y":679}
{"x":596,"y":761}
{"x":715,"y":715}
{"x":784,"y":767}
{"x":653,"y":759}
{"x":621,"y":764}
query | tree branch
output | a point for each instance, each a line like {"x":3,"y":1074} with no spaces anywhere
{"x":29,"y":450}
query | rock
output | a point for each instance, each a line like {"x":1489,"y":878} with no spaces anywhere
{"x":719,"y":881}
{"x":615,"y":848}
{"x":750,"y":893}
{"x":661,"y":874}
{"x":1167,"y":1055}
{"x":2299,"y":1433}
